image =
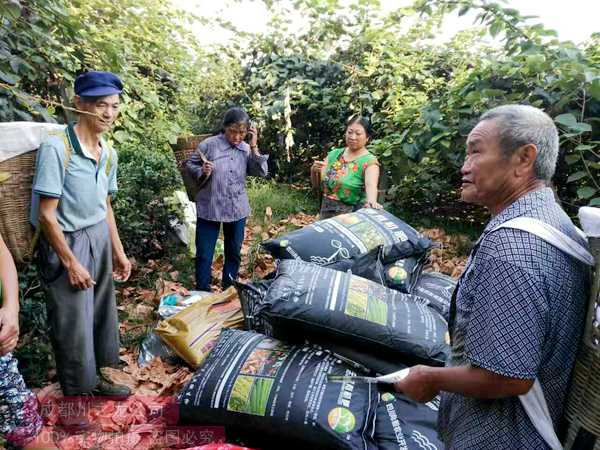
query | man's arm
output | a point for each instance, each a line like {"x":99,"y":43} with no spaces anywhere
{"x":423,"y":383}
{"x":79,"y":277}
{"x":121,"y":264}
{"x":500,"y":360}
{"x":9,"y":312}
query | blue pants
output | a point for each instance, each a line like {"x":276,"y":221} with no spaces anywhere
{"x":207,"y":233}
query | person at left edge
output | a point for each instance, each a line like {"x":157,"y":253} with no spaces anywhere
{"x":220,"y":164}
{"x":80,"y":251}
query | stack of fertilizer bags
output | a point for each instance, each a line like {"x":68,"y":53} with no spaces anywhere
{"x":347,"y":299}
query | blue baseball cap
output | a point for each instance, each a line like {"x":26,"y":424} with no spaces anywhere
{"x":98,"y":84}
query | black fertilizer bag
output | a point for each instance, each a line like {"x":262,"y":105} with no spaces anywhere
{"x":437,"y":289}
{"x":269,"y":394}
{"x":396,"y":266}
{"x":402,"y":275}
{"x":321,"y":305}
{"x":406,"y":425}
{"x":344,"y":237}
{"x":252,"y":297}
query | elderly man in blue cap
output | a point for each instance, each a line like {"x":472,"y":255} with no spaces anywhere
{"x":80,"y":251}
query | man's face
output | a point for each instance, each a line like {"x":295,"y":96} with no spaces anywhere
{"x":487,"y":175}
{"x":106,"y":110}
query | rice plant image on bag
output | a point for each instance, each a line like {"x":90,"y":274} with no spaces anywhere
{"x":240,"y":394}
{"x":363,"y":302}
{"x":377,"y":311}
{"x":357,"y":304}
{"x":250,"y":395}
{"x":259,"y":396}
{"x":368,"y":234}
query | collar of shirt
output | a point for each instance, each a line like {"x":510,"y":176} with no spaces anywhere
{"x":523,"y":206}
{"x":242,"y":146}
{"x":78,"y":147}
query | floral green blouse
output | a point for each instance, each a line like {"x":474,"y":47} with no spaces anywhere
{"x":345,"y":181}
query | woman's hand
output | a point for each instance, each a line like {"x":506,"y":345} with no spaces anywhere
{"x":373,"y":205}
{"x":207,"y":168}
{"x":9,"y":330}
{"x":318,"y":166}
{"x":253,"y":132}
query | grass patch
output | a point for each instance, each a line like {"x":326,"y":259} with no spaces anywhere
{"x":282,"y":198}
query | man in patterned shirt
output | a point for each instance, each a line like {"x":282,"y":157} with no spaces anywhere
{"x":517,"y":313}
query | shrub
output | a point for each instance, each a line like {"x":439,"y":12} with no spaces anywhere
{"x":145,"y":178}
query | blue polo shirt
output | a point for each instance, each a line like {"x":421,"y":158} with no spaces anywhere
{"x":81,"y":183}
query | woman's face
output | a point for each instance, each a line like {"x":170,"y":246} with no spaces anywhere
{"x":356,"y":136}
{"x":236,"y":133}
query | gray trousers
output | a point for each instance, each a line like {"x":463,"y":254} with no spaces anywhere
{"x":84,"y":327}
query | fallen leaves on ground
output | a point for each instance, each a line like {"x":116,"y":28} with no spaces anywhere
{"x":255,"y":262}
{"x":450,"y":257}
{"x":156,"y":378}
{"x":134,"y":423}
{"x":139,"y":422}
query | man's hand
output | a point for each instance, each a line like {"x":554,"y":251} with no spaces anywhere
{"x":121,"y":267}
{"x":418,"y":385}
{"x":9,"y":330}
{"x":79,"y":277}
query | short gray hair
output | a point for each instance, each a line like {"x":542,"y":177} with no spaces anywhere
{"x":520,"y":125}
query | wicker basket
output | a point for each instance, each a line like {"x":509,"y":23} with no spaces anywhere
{"x":583,"y":406}
{"x":15,"y":202}
{"x":183,"y":150}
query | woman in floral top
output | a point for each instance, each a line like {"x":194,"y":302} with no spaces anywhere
{"x":349,"y":175}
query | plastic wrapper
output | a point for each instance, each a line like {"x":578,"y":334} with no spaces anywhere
{"x":192,"y":333}
{"x":171,"y":304}
{"x":152,"y":347}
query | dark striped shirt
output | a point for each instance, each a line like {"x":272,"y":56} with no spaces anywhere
{"x":223,"y":197}
{"x":520,"y":309}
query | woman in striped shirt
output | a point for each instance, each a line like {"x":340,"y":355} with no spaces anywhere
{"x":220,"y":164}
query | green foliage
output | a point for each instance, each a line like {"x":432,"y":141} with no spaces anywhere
{"x":34,"y":352}
{"x":45,"y":44}
{"x":423,"y":97}
{"x":281,"y":198}
{"x":145,"y":179}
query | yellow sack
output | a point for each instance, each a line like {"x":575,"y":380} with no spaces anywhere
{"x":192,"y":333}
